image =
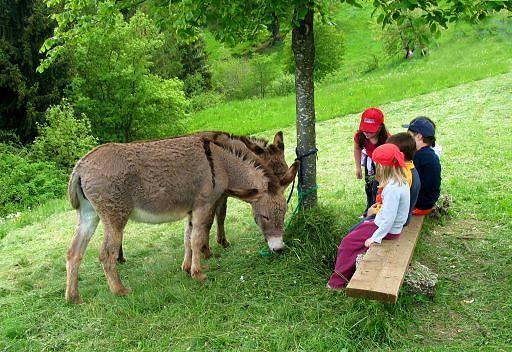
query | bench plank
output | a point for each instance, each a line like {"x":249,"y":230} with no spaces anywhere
{"x":381,"y":272}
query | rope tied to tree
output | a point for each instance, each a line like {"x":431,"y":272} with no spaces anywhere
{"x":300,"y":192}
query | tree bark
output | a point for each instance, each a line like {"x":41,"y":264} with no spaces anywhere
{"x":276,"y":35}
{"x":304,"y":52}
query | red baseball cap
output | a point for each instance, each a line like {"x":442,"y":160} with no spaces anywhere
{"x":371,"y":120}
{"x":388,"y":154}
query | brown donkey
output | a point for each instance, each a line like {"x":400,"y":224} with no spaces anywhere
{"x":166,"y":180}
{"x":270,"y":154}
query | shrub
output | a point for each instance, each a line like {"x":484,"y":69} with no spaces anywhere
{"x":64,"y":139}
{"x":25,"y":183}
{"x":283,"y":85}
{"x":264,"y":71}
{"x":233,"y":79}
{"x":204,"y":101}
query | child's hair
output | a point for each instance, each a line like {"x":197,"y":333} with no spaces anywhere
{"x":389,"y":173}
{"x":405,"y":142}
{"x":381,"y":137}
{"x":430,"y":141}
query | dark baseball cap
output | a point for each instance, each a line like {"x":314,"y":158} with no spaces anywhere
{"x":423,"y":126}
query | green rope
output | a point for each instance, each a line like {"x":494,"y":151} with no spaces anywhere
{"x":301,"y":195}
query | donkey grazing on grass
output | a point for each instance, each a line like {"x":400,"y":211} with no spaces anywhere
{"x":270,"y":154}
{"x":166,"y":180}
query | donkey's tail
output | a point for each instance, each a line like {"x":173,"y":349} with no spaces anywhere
{"x":75,"y":190}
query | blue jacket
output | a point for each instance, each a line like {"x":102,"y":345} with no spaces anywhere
{"x":429,"y":168}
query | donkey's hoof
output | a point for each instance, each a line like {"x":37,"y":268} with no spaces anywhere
{"x":224,"y":243}
{"x":123,"y":291}
{"x":207,"y":252}
{"x":186,"y":267}
{"x":200,"y":276}
{"x":121,"y":260}
{"x":74,"y":299}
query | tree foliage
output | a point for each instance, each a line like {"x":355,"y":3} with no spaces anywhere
{"x":329,"y":51}
{"x":232,"y":21}
{"x":64,"y":138}
{"x":412,"y":35}
{"x":187,"y":61}
{"x":24,"y":26}
{"x":113,"y":86}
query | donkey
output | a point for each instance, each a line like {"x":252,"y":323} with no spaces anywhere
{"x":162,"y":181}
{"x":270,"y":154}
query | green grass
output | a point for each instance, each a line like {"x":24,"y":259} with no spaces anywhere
{"x":280,"y":303}
{"x":460,"y":55}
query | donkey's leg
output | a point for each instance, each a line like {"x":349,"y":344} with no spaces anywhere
{"x":187,"y":258}
{"x":109,"y":253}
{"x":87,"y":223}
{"x":220,"y":213}
{"x":202,"y":219}
{"x":121,"y":259}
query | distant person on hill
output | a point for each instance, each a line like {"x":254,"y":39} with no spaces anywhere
{"x":426,"y":161}
{"x":389,"y":221}
{"x":371,"y":133}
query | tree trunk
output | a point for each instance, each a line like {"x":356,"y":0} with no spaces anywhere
{"x":276,"y":36}
{"x":303,"y":46}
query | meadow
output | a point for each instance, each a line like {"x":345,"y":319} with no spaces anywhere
{"x":280,"y":303}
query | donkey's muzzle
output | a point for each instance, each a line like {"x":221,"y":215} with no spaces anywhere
{"x":275,"y":244}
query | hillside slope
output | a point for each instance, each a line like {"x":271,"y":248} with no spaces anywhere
{"x":277,"y":303}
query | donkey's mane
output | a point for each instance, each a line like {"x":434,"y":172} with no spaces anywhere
{"x":250,"y":158}
{"x":262,"y":142}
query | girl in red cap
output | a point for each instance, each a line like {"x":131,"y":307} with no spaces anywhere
{"x":389,"y":221}
{"x":371,"y":133}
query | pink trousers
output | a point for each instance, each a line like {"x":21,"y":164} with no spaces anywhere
{"x":352,"y":245}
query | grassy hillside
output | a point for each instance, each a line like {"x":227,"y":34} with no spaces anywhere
{"x":462,"y":54}
{"x":280,"y":303}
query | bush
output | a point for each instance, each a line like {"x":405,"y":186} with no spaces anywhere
{"x":64,"y":139}
{"x":204,"y":101}
{"x":264,"y":71}
{"x":233,"y":79}
{"x":283,"y":85}
{"x":25,"y":183}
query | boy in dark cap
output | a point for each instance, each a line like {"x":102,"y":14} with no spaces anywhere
{"x":426,"y":163}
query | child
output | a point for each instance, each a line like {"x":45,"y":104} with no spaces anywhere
{"x":407,"y":145}
{"x":427,"y":163}
{"x":371,"y":133}
{"x":387,"y":224}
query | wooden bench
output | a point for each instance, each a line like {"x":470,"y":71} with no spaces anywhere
{"x":380,"y":274}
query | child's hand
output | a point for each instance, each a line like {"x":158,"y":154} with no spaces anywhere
{"x":372,"y":210}
{"x":359,"y":174}
{"x":368,"y":242}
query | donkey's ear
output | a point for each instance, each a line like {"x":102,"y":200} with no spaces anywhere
{"x":253,"y":147}
{"x":243,"y":194}
{"x":289,"y":176}
{"x":279,"y":140}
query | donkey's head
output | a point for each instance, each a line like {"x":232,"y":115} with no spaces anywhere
{"x":269,"y":207}
{"x":272,"y":154}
